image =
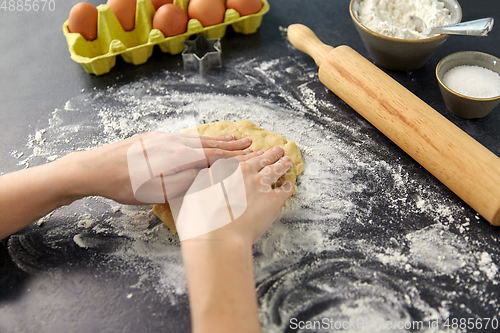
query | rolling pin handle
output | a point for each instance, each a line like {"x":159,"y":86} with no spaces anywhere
{"x":305,"y":40}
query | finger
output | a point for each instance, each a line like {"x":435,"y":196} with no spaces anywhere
{"x":227,"y":145}
{"x":269,"y":157}
{"x":243,"y":158}
{"x":227,"y":142}
{"x":213,"y":154}
{"x":228,"y":137}
{"x":271,"y":173}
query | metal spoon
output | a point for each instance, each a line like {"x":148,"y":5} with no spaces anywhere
{"x":479,"y":27}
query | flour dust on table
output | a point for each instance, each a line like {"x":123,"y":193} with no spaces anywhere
{"x":342,"y":249}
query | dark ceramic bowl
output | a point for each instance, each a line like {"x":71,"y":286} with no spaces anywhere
{"x":401,"y":54}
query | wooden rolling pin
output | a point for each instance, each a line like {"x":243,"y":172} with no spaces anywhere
{"x":461,"y":163}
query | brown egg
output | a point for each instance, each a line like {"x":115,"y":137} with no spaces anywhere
{"x":83,"y":20}
{"x":158,"y":3}
{"x":124,"y":11}
{"x":171,"y":20}
{"x":208,"y":12}
{"x":244,"y":7}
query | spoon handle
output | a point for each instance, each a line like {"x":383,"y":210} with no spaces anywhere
{"x":479,"y":27}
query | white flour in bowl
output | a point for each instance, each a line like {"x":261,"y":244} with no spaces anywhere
{"x":392,"y":18}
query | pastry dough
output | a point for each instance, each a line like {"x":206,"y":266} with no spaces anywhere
{"x":261,"y":140}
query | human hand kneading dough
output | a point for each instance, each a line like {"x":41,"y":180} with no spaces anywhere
{"x":27,"y":195}
{"x":219,"y":264}
{"x":180,"y":155}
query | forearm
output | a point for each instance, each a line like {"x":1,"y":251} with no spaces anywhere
{"x":27,"y":195}
{"x":221,"y":286}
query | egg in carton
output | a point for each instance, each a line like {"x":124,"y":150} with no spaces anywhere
{"x":136,"y":46}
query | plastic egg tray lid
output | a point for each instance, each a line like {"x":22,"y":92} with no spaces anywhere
{"x":136,"y":46}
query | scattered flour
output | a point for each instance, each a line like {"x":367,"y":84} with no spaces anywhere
{"x":334,"y":249}
{"x":487,"y":266}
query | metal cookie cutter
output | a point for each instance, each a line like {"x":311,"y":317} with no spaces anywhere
{"x":201,"y":54}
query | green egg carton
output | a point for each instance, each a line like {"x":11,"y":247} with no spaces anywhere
{"x":136,"y":46}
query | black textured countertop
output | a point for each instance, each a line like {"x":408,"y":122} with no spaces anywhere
{"x":371,"y":235}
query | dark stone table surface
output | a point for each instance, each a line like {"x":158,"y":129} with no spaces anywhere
{"x":370,"y":237}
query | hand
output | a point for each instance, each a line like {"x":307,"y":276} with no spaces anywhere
{"x":177,"y":157}
{"x":239,"y":203}
{"x":102,"y":171}
{"x":219,"y":264}
{"x":261,"y":171}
